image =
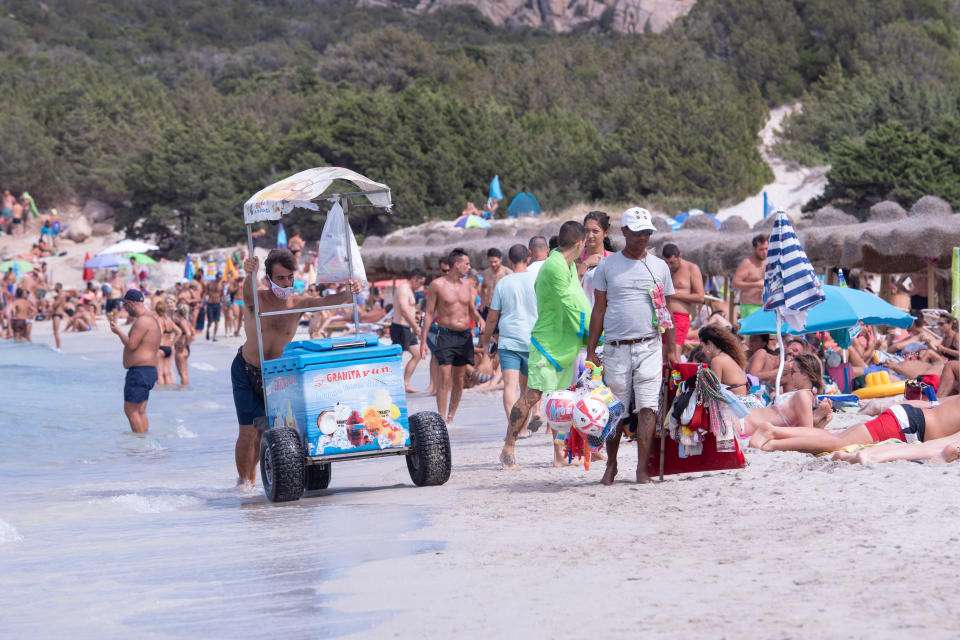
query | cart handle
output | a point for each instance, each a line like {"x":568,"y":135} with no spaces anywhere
{"x":307,"y":310}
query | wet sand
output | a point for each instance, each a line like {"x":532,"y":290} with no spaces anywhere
{"x":792,"y":546}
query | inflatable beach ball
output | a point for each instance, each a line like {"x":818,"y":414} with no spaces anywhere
{"x":590,"y":415}
{"x":558,"y":409}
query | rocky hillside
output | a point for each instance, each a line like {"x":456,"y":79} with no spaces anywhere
{"x":624,"y":16}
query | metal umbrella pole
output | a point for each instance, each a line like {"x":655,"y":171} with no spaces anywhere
{"x":256,"y":311}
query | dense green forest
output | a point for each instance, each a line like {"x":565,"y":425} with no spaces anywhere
{"x":176,"y":111}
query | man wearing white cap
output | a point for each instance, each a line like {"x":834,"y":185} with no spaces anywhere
{"x":638,"y":332}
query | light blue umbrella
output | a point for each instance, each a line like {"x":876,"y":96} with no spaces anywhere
{"x":843,"y":308}
{"x":790,"y":285}
{"x":103,"y":261}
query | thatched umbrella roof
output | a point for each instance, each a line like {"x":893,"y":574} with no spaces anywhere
{"x":890,"y":241}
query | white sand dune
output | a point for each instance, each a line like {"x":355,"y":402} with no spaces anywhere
{"x":793,"y":185}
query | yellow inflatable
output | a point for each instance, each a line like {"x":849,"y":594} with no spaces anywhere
{"x":880,"y":386}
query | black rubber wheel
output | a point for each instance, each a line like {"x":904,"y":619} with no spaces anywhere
{"x":429,"y":457}
{"x":281,"y":464}
{"x":317,"y":476}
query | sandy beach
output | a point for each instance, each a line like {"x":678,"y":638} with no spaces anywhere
{"x":791,"y":546}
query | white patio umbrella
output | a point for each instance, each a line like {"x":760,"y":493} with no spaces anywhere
{"x":129,"y":246}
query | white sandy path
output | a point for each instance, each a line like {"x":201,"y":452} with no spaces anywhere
{"x":793,"y":185}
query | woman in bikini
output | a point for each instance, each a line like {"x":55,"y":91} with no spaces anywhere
{"x":182,"y":344}
{"x":797,"y":408}
{"x":910,"y":421}
{"x":726,"y":358}
{"x":169,"y":333}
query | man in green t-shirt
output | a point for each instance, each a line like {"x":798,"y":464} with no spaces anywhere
{"x":561,"y":330}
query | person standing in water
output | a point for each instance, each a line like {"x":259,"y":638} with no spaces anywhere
{"x":140,"y":348}
{"x":276,"y":332}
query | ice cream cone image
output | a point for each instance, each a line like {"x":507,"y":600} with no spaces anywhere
{"x":382,"y":403}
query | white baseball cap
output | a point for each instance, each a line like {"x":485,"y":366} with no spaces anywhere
{"x":638,"y":219}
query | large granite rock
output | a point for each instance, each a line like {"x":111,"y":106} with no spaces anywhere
{"x":102,"y":229}
{"x":627,"y":16}
{"x":79,"y":229}
{"x":97,"y":211}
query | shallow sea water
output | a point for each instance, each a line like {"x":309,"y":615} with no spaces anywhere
{"x":104,"y":533}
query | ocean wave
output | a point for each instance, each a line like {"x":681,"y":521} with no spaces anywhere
{"x":8,"y":533}
{"x":153,"y":504}
{"x":203,"y":366}
{"x":210,"y":404}
{"x":183,"y":432}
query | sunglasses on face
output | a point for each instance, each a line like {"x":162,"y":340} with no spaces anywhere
{"x":637,"y":234}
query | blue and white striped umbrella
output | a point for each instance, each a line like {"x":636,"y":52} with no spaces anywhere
{"x":790,"y":285}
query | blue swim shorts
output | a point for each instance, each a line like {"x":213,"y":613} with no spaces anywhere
{"x":139,"y":381}
{"x":513,"y":360}
{"x":248,"y":403}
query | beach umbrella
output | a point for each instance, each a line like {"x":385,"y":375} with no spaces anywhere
{"x":87,"y":271}
{"x":790,"y":285}
{"x":18,"y":266}
{"x":496,"y":193}
{"x":281,"y":238}
{"x":129,"y":246}
{"x":141,"y":258}
{"x":103,"y":261}
{"x":470,"y":222}
{"x":188,"y":268}
{"x":523,"y":204}
{"x":842,"y":308}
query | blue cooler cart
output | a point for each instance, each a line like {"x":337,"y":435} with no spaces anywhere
{"x":339,"y":398}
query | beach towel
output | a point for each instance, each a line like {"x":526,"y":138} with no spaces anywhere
{"x":31,"y":204}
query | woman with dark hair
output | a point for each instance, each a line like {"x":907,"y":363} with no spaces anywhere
{"x":597,"y":226}
{"x":726,"y":358}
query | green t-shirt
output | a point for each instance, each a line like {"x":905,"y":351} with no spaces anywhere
{"x":563,"y":311}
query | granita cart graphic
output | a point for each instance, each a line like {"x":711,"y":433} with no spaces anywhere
{"x":342,"y":398}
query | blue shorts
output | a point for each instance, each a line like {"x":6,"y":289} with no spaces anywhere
{"x":248,"y":403}
{"x":139,"y":381}
{"x":513,"y":360}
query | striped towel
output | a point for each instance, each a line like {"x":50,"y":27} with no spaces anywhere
{"x":790,"y":286}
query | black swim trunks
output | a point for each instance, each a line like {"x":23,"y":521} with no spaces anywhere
{"x":114,"y":304}
{"x":916,"y":428}
{"x":167,"y":351}
{"x":213,"y":312}
{"x":402,"y":335}
{"x":247,"y":382}
{"x":454,"y":347}
{"x":139,"y":381}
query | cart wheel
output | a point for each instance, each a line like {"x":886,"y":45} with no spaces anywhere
{"x":429,"y":457}
{"x":281,"y":464}
{"x":317,"y":476}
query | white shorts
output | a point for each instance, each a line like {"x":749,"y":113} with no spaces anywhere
{"x":635,"y":371}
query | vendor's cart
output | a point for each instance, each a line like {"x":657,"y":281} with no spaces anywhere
{"x":336,"y":399}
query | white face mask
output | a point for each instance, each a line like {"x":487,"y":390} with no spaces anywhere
{"x":281,"y":292}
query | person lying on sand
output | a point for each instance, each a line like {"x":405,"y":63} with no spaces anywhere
{"x":908,"y":421}
{"x":938,"y":451}
{"x":797,"y":408}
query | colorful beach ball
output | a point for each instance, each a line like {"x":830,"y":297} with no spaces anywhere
{"x":558,"y":409}
{"x":590,"y":415}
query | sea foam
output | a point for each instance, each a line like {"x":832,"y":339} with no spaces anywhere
{"x":8,"y":533}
